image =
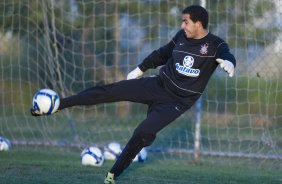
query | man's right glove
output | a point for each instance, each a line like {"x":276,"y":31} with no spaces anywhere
{"x":227,"y":66}
{"x":134,"y":74}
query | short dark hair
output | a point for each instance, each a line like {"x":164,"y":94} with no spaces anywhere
{"x":197,"y":13}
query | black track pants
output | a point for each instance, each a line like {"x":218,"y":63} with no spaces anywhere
{"x":163,"y":108}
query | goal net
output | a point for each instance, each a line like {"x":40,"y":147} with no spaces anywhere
{"x":69,"y":45}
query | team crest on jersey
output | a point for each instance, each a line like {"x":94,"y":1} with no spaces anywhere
{"x":186,"y":69}
{"x":204,"y":48}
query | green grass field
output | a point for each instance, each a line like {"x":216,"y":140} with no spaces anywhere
{"x":59,"y":166}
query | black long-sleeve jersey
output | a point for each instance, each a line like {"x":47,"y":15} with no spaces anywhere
{"x":188,"y":63}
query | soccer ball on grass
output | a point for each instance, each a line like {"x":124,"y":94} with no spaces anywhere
{"x":112,"y":151}
{"x":92,"y":156}
{"x":141,"y":156}
{"x":5,"y":144}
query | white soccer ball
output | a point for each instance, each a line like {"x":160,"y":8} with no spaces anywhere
{"x":46,"y":101}
{"x":112,"y":151}
{"x":5,"y":144}
{"x":141,"y":156}
{"x":92,"y":156}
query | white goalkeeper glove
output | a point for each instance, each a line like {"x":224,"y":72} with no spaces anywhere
{"x":227,"y":66}
{"x":134,"y":74}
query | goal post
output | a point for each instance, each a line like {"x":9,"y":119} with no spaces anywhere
{"x":198,"y":110}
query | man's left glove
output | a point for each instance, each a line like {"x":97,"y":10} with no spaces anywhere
{"x":134,"y":74}
{"x":227,"y":66}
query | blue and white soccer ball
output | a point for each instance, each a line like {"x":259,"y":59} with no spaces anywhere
{"x":112,"y":151}
{"x":46,"y":101}
{"x":92,"y":156}
{"x":141,"y":156}
{"x":5,"y":144}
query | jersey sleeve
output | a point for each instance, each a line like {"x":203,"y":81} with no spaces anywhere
{"x":224,"y":53}
{"x":159,"y":57}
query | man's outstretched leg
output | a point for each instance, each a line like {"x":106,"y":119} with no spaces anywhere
{"x":91,"y":96}
{"x":127,"y":90}
{"x":133,"y":147}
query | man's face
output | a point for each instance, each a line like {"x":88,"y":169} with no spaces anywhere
{"x":190,"y":27}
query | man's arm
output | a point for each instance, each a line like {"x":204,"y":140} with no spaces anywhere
{"x":156,"y":58}
{"x":225,"y":59}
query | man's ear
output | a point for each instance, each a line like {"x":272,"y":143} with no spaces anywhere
{"x":199,"y":24}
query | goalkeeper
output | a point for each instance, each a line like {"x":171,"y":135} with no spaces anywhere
{"x":187,"y":61}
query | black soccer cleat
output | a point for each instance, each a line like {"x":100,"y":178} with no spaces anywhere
{"x":109,"y":179}
{"x":35,"y":112}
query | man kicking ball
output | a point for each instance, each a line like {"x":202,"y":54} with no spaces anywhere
{"x":187,"y":61}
